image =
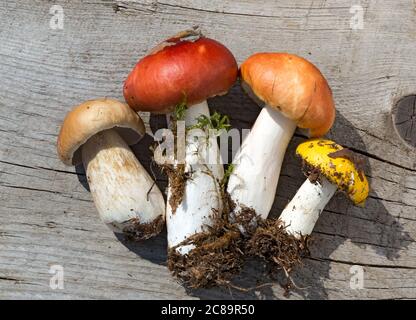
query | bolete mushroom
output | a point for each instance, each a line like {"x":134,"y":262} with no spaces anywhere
{"x":330,"y":167}
{"x":98,"y":133}
{"x":294,"y":93}
{"x":192,"y":67}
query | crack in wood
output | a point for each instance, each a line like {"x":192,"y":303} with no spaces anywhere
{"x":43,"y":168}
{"x":371,"y":265}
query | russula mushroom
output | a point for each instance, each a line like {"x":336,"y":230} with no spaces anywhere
{"x":192,"y":67}
{"x":330,"y":167}
{"x":294,"y":93}
{"x":98,"y":133}
{"x":283,"y":242}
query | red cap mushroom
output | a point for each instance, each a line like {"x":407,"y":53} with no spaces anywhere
{"x":192,"y":68}
{"x":187,"y":64}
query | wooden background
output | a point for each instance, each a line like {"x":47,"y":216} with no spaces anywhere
{"x":46,"y":213}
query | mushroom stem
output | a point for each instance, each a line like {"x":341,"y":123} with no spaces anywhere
{"x":202,"y":196}
{"x":300,"y":215}
{"x":123,"y":192}
{"x":257,"y":165}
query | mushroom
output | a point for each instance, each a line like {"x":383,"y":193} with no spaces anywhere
{"x":330,"y":167}
{"x":294,"y":93}
{"x":98,"y":133}
{"x":191,"y":66}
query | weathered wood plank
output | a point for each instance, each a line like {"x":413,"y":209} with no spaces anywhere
{"x":47,"y":216}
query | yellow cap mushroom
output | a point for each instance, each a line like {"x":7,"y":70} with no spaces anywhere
{"x":338,"y":165}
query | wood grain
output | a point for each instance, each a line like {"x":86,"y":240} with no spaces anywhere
{"x":46,"y":213}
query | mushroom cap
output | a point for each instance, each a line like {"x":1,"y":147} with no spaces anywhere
{"x":292,"y":85}
{"x":94,"y":116}
{"x":186,"y":67}
{"x":339,"y":169}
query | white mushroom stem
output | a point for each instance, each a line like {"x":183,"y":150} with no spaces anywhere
{"x":300,"y":215}
{"x":202,"y":197}
{"x":123,"y":192}
{"x":257,"y":165}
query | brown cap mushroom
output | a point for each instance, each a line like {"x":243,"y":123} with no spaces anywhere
{"x":97,"y":133}
{"x":94,"y":116}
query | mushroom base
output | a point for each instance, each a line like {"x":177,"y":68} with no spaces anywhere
{"x":136,"y":231}
{"x":214,"y":259}
{"x":216,"y":254}
{"x":219,"y":253}
{"x":278,"y":248}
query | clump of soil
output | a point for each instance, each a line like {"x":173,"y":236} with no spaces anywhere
{"x":177,"y":181}
{"x":137,"y":231}
{"x":353,"y":157}
{"x":311,"y":172}
{"x":278,"y":249}
{"x":268,"y":240}
{"x":220,"y":252}
{"x":272,"y":243}
{"x":217,"y":256}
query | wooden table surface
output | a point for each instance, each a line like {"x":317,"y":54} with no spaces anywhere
{"x":47,"y":216}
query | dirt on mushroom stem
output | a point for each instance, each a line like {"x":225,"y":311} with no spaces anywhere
{"x":277,"y":248}
{"x":311,"y":172}
{"x":136,"y":231}
{"x":221,"y":251}
{"x":176,"y":173}
{"x":268,"y":240}
{"x":177,"y":182}
{"x":218,"y":254}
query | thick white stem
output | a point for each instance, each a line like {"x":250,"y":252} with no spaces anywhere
{"x":301,"y":214}
{"x":202,"y":197}
{"x":254,"y":179}
{"x":123,"y":191}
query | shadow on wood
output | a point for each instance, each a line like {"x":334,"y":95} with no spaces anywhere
{"x":82,"y":177}
{"x":153,"y":249}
